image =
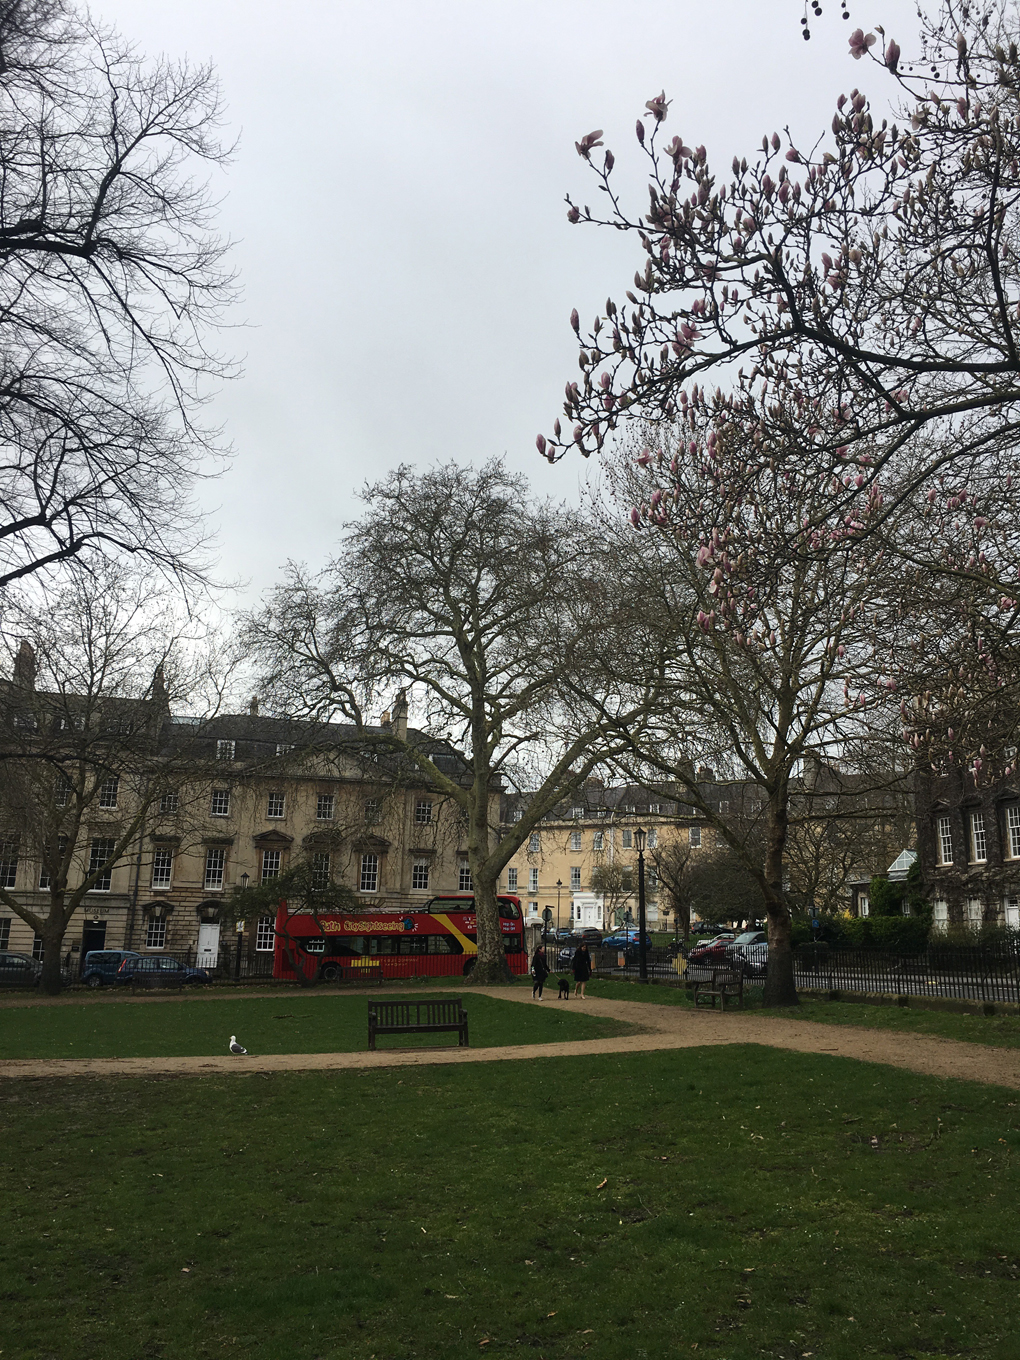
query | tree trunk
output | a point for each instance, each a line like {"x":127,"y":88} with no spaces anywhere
{"x":491,"y":967}
{"x":51,"y":981}
{"x":780,"y":989}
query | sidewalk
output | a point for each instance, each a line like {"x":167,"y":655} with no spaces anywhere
{"x":661,"y":1028}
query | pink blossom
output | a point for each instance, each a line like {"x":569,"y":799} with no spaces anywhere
{"x":540,"y":444}
{"x":658,"y":106}
{"x":635,"y":519}
{"x":892,"y":55}
{"x":573,"y":215}
{"x":588,"y":143}
{"x":860,"y":42}
{"x":575,"y":322}
{"x":640,"y":130}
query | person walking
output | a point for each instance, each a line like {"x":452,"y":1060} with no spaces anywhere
{"x":539,"y":972}
{"x":581,"y":964}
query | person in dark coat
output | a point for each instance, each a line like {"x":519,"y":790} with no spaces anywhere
{"x":539,"y":972}
{"x":581,"y":965}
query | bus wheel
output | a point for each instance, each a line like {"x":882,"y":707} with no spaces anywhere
{"x":469,"y":966}
{"x":329,"y":972}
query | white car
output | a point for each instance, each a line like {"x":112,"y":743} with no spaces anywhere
{"x":752,"y":950}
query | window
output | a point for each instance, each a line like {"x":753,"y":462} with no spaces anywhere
{"x":322,"y":871}
{"x":423,"y":811}
{"x":8,"y":863}
{"x":420,"y":874}
{"x":533,"y":908}
{"x":724,"y":807}
{"x":575,"y":878}
{"x":108,"y":792}
{"x":627,"y":878}
{"x":100,"y":851}
{"x":220,"y":805}
{"x":282,"y":748}
{"x":1010,"y":752}
{"x":265,"y":935}
{"x":62,"y":791}
{"x":627,"y":839}
{"x":38,"y":949}
{"x":511,"y":880}
{"x":155,"y":933}
{"x":974,"y":912}
{"x":533,"y":880}
{"x":371,"y":811}
{"x":978,"y":841}
{"x":324,"y":807}
{"x":5,"y":932}
{"x":215,"y":858}
{"x":162,"y":866}
{"x":270,"y":864}
{"x":945,"y":840}
{"x":1013,"y":830}
{"x":225,"y":750}
{"x":653,"y":837}
{"x":575,"y":840}
{"x":369,"y":873}
{"x":534,"y":843}
{"x":694,"y":836}
{"x":275,"y":805}
{"x":25,"y":720}
{"x":940,"y":914}
{"x":863,"y":904}
{"x":577,"y":813}
{"x":169,"y":802}
{"x":464,"y":883}
{"x":598,"y":840}
{"x":44,"y":871}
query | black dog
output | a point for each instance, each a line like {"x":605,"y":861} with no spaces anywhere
{"x":564,"y":989}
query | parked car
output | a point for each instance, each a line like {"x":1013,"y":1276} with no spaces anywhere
{"x":163,"y":966}
{"x":591,"y":936}
{"x":713,"y":953}
{"x":706,"y":930}
{"x":101,"y":966}
{"x":752,"y":950}
{"x":19,"y":970}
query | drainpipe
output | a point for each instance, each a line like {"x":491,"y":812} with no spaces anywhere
{"x":133,"y":909}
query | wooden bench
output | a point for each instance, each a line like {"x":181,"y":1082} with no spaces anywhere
{"x":417,"y":1017}
{"x":725,"y":983}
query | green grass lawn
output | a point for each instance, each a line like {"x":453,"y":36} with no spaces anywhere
{"x":734,"y":1203}
{"x":1001,"y":1031}
{"x":291,"y":1023}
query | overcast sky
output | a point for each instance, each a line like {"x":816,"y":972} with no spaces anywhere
{"x":397,"y":203}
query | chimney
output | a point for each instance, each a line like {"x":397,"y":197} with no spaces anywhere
{"x":253,"y":707}
{"x":160,"y":695}
{"x":24,"y":666}
{"x":706,"y":773}
{"x":400,"y":716}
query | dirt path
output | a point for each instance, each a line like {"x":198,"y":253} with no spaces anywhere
{"x":662,"y":1027}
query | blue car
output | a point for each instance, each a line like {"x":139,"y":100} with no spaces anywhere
{"x":101,"y":966}
{"x":627,"y":940}
{"x":159,"y":970}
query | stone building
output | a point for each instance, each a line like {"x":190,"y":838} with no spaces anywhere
{"x":968,"y":829}
{"x":238,"y":798}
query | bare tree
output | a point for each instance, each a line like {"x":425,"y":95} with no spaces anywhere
{"x":111,"y":277}
{"x":611,"y":884}
{"x":478,"y":600}
{"x":768,"y":608}
{"x":83,"y":755}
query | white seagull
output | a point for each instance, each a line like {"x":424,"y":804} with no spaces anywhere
{"x":235,"y":1047}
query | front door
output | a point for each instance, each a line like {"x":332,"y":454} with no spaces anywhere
{"x":93,"y":936}
{"x":208,"y":945}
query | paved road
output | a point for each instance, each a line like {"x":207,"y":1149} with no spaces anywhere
{"x":659,"y":1028}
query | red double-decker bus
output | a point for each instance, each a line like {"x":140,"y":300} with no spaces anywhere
{"x":436,"y":940}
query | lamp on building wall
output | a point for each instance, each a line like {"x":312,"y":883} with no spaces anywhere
{"x":239,"y":927}
{"x":640,"y":840}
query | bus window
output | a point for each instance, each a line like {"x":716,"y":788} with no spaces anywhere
{"x":509,"y":911}
{"x":384,"y":944}
{"x":345,"y":948}
{"x":444,"y":944}
{"x":512,"y":944}
{"x":314,"y":945}
{"x":413,"y":944}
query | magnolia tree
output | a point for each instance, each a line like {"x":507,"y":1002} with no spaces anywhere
{"x":768,"y":605}
{"x":459,"y":588}
{"x":858,"y":295}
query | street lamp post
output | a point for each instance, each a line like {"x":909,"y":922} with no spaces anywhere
{"x":640,"y":838}
{"x":239,"y":927}
{"x":559,"y":886}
